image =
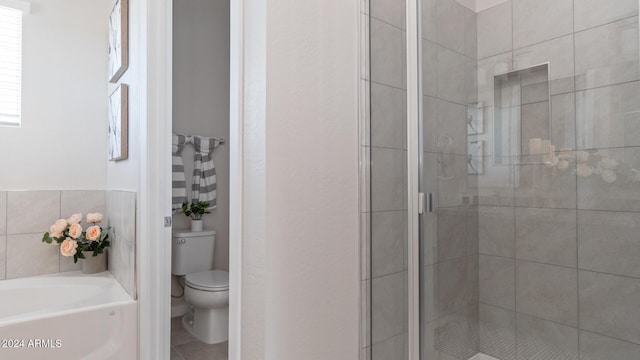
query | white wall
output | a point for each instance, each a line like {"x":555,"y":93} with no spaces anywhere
{"x":125,"y":175}
{"x":201,"y":99}
{"x":62,"y":142}
{"x":306,"y":200}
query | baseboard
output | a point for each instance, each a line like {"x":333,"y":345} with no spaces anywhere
{"x":178,"y":310}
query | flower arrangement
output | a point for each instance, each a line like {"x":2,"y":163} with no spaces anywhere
{"x":74,"y":240}
{"x":589,"y":164}
{"x":195,"y":209}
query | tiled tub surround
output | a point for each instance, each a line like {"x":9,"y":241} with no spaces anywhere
{"x":560,"y":252}
{"x":26,"y":215}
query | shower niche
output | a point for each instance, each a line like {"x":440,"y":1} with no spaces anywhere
{"x":522,"y":117}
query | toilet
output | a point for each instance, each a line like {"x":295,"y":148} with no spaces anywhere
{"x":206,"y":291}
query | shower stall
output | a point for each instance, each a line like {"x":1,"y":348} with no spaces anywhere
{"x":501,"y":149}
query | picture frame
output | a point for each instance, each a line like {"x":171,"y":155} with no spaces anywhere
{"x":119,"y":123}
{"x":475,"y":119}
{"x":118,"y":40}
{"x":475,"y":158}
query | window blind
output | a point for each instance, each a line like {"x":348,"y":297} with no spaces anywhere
{"x":10,"y":66}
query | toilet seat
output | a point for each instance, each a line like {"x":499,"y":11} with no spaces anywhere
{"x":213,"y":280}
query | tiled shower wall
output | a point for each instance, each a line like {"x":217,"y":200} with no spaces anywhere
{"x":26,"y":215}
{"x":560,"y":255}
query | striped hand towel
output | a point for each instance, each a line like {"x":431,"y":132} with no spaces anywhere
{"x":204,"y":171}
{"x":179,"y":192}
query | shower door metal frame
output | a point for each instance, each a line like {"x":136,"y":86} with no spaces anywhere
{"x":414,"y":167}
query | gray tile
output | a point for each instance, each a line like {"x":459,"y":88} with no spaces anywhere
{"x":558,"y":53}
{"x":534,"y":123}
{"x":487,"y":69}
{"x":496,"y":186}
{"x":3,"y":212}
{"x":429,"y":340}
{"x":607,"y":54}
{"x":387,"y":54}
{"x":546,"y":236}
{"x":543,"y":186}
{"x":609,"y":117}
{"x":429,"y":68}
{"x":84,"y":202}
{"x":388,"y":174}
{"x":388,"y":239}
{"x":535,"y":21}
{"x":390,"y":11}
{"x":198,"y":350}
{"x":452,"y":128}
{"x":453,"y":292}
{"x":609,"y":242}
{"x":452,"y":76}
{"x":452,"y":180}
{"x":174,"y":355}
{"x":429,"y":19}
{"x":546,"y":291}
{"x":32,"y":211}
{"x":179,"y":335}
{"x":27,"y":255}
{"x":538,"y":339}
{"x":428,"y":291}
{"x":387,"y":117}
{"x":388,"y":306}
{"x":609,"y":305}
{"x":598,"y":347}
{"x":563,"y":121}
{"x":591,"y":13}
{"x":390,"y":349}
{"x":497,"y":281}
{"x":471,"y":33}
{"x":497,"y":332}
{"x":494,"y":30}
{"x":3,"y":256}
{"x":121,"y":216}
{"x":450,"y":25}
{"x":452,"y":233}
{"x":457,"y":334}
{"x":496,"y":231}
{"x":615,"y":189}
{"x":430,"y":123}
{"x":472,"y":82}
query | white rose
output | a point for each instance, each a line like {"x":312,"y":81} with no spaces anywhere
{"x":74,"y":219}
{"x":563,"y":165}
{"x":68,"y":247}
{"x":584,"y":170}
{"x":93,"y":233}
{"x":609,"y":176}
{"x":75,"y":231}
{"x":58,"y":228}
{"x":94,"y":218}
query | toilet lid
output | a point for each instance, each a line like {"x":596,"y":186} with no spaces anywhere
{"x":213,"y":280}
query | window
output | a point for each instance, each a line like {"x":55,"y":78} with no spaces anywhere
{"x":10,"y":66}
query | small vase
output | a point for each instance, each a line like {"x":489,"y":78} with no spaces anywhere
{"x":94,"y":264}
{"x":196,"y":225}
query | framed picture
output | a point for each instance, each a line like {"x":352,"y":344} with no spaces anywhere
{"x":118,"y":123}
{"x":118,"y":40}
{"x":475,"y":160}
{"x":475,"y":119}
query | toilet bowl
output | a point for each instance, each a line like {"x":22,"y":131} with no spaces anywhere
{"x":207,"y":296}
{"x":206,"y":291}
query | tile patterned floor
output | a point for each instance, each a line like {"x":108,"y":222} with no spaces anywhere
{"x":186,"y":347}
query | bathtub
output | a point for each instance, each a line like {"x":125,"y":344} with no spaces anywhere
{"x":67,"y":316}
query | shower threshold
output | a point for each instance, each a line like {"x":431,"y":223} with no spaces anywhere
{"x":482,"y":356}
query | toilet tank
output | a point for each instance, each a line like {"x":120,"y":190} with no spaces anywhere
{"x":192,"y":251}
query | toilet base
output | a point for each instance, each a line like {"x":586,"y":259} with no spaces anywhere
{"x":210,"y":326}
